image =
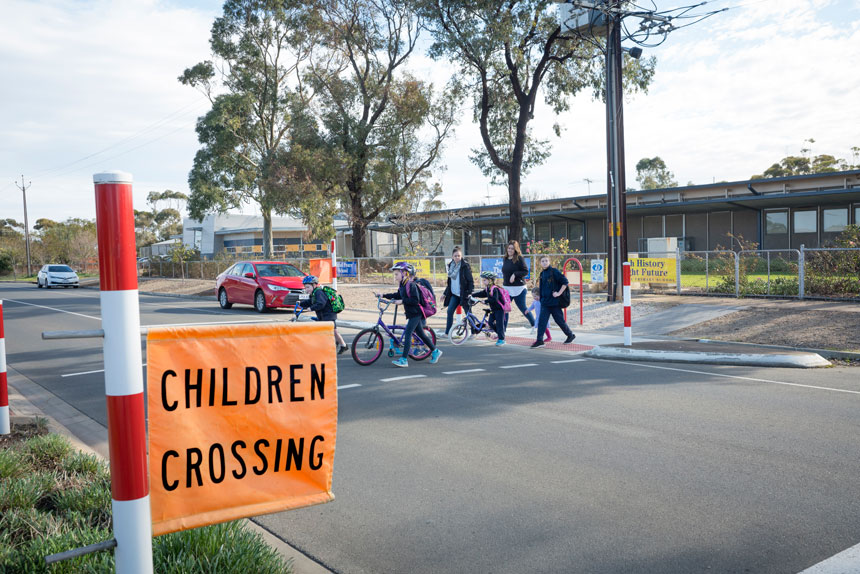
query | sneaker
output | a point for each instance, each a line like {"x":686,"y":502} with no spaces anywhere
{"x":434,"y":356}
{"x":548,"y":339}
{"x":500,"y":343}
{"x":533,"y":330}
{"x":401,"y":362}
{"x":342,"y":349}
{"x":538,"y":345}
{"x":569,"y":339}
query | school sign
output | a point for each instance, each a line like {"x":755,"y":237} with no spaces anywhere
{"x":653,"y":269}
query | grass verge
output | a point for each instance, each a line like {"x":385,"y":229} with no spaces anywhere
{"x":53,"y":499}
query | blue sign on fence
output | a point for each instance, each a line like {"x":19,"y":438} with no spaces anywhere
{"x":495,"y":265}
{"x":347,"y":268}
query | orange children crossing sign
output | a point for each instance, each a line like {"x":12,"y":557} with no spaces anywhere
{"x":242,"y":421}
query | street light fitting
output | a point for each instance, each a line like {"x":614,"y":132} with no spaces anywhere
{"x":635,"y":52}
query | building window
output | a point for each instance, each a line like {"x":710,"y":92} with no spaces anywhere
{"x":776,"y":222}
{"x":486,"y":236}
{"x":500,"y":235}
{"x":835,"y":220}
{"x":559,"y":230}
{"x":576,"y":231}
{"x":804,"y":222}
{"x":856,"y":215}
{"x":198,"y":239}
{"x":542,"y":232}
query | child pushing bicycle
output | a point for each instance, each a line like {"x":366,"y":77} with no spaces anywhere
{"x":497,"y":301}
{"x":416,"y":307}
{"x":320,"y":302}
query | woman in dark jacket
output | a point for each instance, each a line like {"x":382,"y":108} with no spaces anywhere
{"x":460,"y":286}
{"x":514,"y":273}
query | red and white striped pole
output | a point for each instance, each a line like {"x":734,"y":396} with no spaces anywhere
{"x":628,"y":329}
{"x":132,"y":519}
{"x":333,"y":266}
{"x":5,"y":428}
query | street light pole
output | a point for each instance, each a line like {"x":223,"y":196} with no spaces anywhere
{"x":23,"y":189}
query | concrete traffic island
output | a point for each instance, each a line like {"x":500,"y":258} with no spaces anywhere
{"x":695,"y":351}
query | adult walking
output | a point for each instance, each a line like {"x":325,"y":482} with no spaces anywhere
{"x":460,"y":286}
{"x":514,"y":272}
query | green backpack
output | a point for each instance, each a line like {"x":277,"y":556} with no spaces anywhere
{"x":334,"y":298}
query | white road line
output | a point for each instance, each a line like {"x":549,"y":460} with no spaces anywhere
{"x":733,"y":377}
{"x":519,"y":366}
{"x":568,"y":361}
{"x":845,"y":561}
{"x":88,"y":372}
{"x":463,"y":372}
{"x":388,"y":380}
{"x":53,"y":309}
{"x":340,"y":388}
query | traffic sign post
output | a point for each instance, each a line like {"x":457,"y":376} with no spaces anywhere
{"x":132,"y":522}
{"x":333,"y":266}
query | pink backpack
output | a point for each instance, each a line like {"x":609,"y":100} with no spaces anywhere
{"x":505,"y":299}
{"x":426,"y":297}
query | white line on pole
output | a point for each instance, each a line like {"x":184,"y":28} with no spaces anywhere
{"x":388,"y":380}
{"x":463,"y":371}
{"x":568,"y":361}
{"x":732,"y":377}
{"x":340,"y":388}
{"x":519,"y":366}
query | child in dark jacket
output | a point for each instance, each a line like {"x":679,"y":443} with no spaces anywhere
{"x":492,"y":293}
{"x":552,"y":285}
{"x":319,"y":302}
{"x":409,"y":296}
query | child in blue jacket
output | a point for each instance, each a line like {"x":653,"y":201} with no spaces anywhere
{"x":552,"y":285}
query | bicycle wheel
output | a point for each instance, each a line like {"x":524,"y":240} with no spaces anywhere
{"x":460,"y":332}
{"x":367,"y":347}
{"x":419,"y":350}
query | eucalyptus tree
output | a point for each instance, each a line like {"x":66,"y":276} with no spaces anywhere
{"x":254,"y":83}
{"x":507,"y":54}
{"x":386,"y":126}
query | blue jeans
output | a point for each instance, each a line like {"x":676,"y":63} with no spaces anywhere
{"x":497,"y":323}
{"x":520,"y":301}
{"x":415,"y":324}
{"x":557,"y":314}
{"x":455,"y":301}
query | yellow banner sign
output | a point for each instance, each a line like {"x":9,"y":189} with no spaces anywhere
{"x":422,"y":267}
{"x":652,"y":269}
{"x":242,"y":421}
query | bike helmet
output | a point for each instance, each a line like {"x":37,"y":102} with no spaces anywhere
{"x":309,"y":279}
{"x":408,"y":268}
{"x":488,"y":275}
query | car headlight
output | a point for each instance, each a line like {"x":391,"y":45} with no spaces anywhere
{"x":278,"y":288}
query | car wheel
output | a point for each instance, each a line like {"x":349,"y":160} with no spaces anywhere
{"x":38,"y":283}
{"x":260,"y":302}
{"x":75,"y":286}
{"x":222,"y":299}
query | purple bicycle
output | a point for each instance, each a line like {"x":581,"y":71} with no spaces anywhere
{"x":368,"y":344}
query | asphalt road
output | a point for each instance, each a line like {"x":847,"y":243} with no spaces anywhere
{"x":564,"y":465}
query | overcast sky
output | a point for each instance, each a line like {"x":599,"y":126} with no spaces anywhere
{"x":90,"y":85}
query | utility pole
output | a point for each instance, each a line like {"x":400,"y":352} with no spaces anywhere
{"x":24,"y":189}
{"x":616,"y":197}
{"x":588,"y":181}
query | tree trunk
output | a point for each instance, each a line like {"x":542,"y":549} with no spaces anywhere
{"x":515,"y":228}
{"x":267,"y":233}
{"x":359,"y":243}
{"x":359,"y":225}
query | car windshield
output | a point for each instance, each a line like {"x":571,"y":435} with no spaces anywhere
{"x":60,"y":269}
{"x":277,"y":270}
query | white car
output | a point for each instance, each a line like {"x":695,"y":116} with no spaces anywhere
{"x":57,"y":276}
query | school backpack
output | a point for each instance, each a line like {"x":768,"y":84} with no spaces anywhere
{"x":334,"y":298}
{"x":505,"y":299}
{"x":426,"y":297}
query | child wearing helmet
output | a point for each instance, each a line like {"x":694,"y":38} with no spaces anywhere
{"x":493,"y":295}
{"x":317,"y":301}
{"x":407,"y":294}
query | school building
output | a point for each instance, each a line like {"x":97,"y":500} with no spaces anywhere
{"x":778,"y":213}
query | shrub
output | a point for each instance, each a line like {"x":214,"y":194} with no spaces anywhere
{"x":48,"y":450}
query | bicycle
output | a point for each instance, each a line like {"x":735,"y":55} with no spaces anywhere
{"x":368,"y":344}
{"x":469,"y":326}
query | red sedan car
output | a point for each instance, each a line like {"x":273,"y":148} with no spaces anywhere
{"x":263,"y":284}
